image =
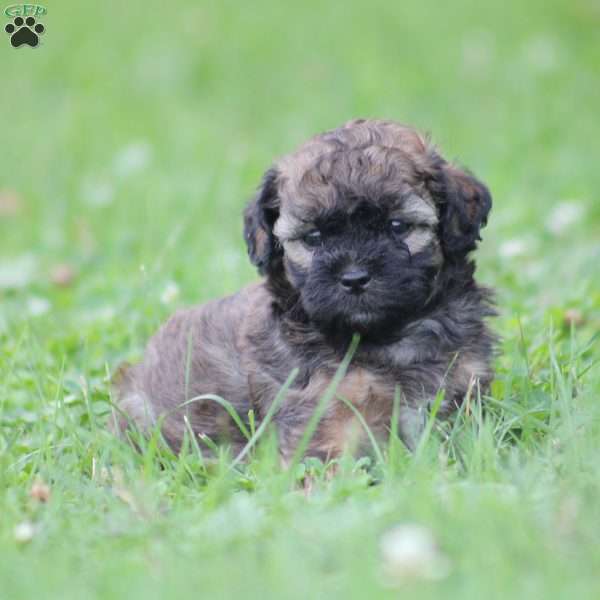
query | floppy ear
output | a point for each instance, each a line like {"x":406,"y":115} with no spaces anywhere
{"x":259,"y":218}
{"x":464,"y":209}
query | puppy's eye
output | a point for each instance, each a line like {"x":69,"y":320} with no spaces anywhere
{"x":399,"y":227}
{"x":313,"y":238}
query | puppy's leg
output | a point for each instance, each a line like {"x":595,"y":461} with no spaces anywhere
{"x":411,"y":424}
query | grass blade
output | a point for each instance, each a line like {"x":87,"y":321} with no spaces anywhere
{"x":323,"y":404}
{"x":270,"y":413}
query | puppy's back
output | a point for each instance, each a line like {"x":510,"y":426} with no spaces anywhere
{"x":198,"y":351}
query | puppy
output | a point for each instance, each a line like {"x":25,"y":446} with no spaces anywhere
{"x":364,"y":229}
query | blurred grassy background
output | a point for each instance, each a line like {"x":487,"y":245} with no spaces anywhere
{"x":136,"y":121}
{"x":135,"y":133}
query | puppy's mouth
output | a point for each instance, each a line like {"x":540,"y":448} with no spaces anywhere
{"x":360,"y":321}
{"x":350,"y":314}
{"x":366,"y":323}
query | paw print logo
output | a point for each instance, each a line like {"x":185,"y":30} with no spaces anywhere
{"x":24,"y":32}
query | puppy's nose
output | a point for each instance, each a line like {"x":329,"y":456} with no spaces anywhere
{"x":355,"y":280}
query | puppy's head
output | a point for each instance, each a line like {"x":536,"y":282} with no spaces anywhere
{"x":359,"y":221}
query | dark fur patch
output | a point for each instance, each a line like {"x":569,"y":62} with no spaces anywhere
{"x":259,"y":218}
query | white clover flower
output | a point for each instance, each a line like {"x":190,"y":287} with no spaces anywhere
{"x":170,"y":293}
{"x":24,"y":532}
{"x":17,"y":272}
{"x":133,"y":158}
{"x":97,"y":192}
{"x":478,"y":50}
{"x":564,"y":216}
{"x":513,"y":248}
{"x":409,"y":551}
{"x":542,"y":53}
{"x":37,"y":306}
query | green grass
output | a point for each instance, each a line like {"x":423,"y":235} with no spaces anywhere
{"x":131,"y":140}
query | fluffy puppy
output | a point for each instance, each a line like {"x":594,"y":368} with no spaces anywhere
{"x":364,"y":229}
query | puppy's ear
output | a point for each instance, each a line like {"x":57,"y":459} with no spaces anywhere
{"x":259,"y":218}
{"x":464,"y":209}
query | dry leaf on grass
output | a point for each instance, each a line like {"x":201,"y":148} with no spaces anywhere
{"x":62,"y":275}
{"x":40,"y":491}
{"x":11,"y":203}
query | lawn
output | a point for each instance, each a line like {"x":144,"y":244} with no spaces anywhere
{"x":132,"y":138}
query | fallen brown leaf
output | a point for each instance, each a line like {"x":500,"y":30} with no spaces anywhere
{"x":10,"y":203}
{"x":62,"y":275}
{"x":40,"y":491}
{"x":573,"y":317}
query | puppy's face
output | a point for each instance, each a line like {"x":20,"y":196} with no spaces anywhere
{"x":356,"y":252}
{"x":358,"y":223}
